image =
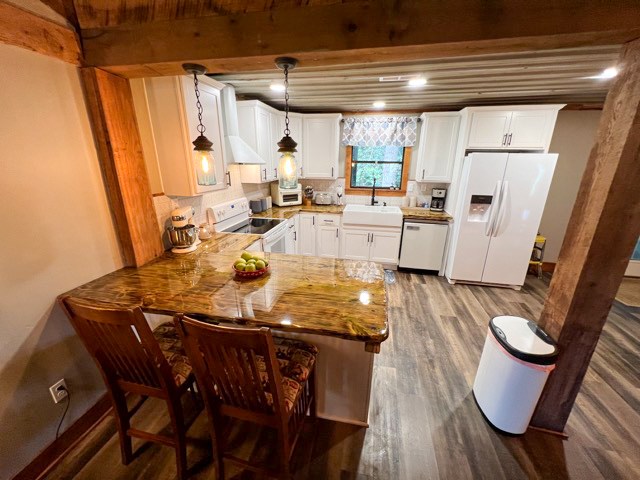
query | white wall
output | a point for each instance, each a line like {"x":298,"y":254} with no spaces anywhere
{"x":57,"y":233}
{"x":572,"y":139}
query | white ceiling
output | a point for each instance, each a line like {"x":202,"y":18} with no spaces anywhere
{"x":551,"y":76}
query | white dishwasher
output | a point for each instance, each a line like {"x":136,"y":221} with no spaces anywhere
{"x":423,"y":243}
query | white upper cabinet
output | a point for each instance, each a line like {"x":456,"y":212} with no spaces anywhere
{"x":437,"y":150}
{"x":321,"y":136}
{"x":489,"y":129}
{"x":526,"y":129}
{"x":258,"y":124}
{"x":170,"y":103}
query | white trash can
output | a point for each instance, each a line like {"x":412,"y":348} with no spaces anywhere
{"x":515,"y":363}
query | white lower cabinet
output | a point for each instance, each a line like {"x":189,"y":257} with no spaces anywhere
{"x":291,"y":239}
{"x":385,"y":247}
{"x":328,"y":241}
{"x":367,"y":244}
{"x":307,"y":234}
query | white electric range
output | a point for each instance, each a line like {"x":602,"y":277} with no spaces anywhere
{"x":233,"y":217}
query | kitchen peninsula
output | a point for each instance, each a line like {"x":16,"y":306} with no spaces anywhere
{"x":338,"y":305}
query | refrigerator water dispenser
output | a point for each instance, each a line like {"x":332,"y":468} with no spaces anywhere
{"x":479,"y":208}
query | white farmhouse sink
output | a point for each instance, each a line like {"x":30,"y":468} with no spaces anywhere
{"x":374,"y":215}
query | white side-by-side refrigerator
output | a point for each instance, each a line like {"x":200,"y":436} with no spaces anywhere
{"x":502,"y":197}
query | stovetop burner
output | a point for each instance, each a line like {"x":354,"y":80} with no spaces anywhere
{"x":258,"y":226}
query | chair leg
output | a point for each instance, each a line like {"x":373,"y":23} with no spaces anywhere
{"x":121,"y":413}
{"x":285,"y":472}
{"x":180,"y":436}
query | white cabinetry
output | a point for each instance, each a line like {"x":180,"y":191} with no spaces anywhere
{"x":173,"y":118}
{"x":321,"y":134}
{"x":376,"y":244}
{"x":437,"y":149}
{"x":258,"y":124}
{"x":307,"y":234}
{"x":291,"y":240}
{"x":526,"y":129}
{"x":328,"y":236}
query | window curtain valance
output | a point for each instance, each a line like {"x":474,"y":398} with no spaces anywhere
{"x":379,"y":131}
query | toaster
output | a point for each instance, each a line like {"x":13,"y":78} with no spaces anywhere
{"x":323,"y":198}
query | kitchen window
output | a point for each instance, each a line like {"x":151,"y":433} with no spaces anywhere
{"x":389,"y":165}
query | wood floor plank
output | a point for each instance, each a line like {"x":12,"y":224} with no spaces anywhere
{"x":424,"y":421}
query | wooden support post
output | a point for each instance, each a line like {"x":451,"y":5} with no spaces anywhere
{"x":604,"y":227}
{"x":120,"y":152}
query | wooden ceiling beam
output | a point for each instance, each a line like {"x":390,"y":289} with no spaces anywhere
{"x":24,"y":29}
{"x":358,"y":32}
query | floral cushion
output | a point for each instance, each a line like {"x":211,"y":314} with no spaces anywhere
{"x":171,"y":347}
{"x":296,"y":360}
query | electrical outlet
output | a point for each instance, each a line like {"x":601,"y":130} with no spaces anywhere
{"x":59,"y":391}
{"x":410,"y":187}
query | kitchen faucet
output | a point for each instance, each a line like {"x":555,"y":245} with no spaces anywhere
{"x":373,"y":193}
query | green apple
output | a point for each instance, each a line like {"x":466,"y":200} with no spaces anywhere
{"x":239,"y":263}
{"x":246,"y":256}
{"x":251,"y":261}
{"x":241,"y":267}
{"x":251,"y":267}
{"x":260,"y":265}
{"x":256,"y":258}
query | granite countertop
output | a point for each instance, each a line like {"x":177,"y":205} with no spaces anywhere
{"x":323,"y":296}
{"x":407,"y":212}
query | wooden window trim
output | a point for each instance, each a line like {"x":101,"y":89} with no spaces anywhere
{"x":406,"y":164}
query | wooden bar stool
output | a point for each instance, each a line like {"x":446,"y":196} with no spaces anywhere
{"x":133,"y":359}
{"x":537,"y":254}
{"x":248,"y":375}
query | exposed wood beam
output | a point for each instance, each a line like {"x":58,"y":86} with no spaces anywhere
{"x":24,"y":29}
{"x":120,"y":152}
{"x":604,"y":227}
{"x":64,"y":8}
{"x":359,"y":32}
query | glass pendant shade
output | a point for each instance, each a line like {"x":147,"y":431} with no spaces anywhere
{"x":288,"y":171}
{"x":204,"y":163}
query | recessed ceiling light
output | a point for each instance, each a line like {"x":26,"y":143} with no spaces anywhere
{"x":609,"y":73}
{"x":379,"y":104}
{"x":277,"y":87}
{"x":417,"y":82}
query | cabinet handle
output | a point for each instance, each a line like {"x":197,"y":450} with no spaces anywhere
{"x":331,"y":172}
{"x":301,"y":172}
{"x":275,"y":170}
{"x":368,"y":238}
{"x":265,"y":174}
{"x":504,"y":139}
{"x":313,"y":219}
{"x":337,"y":233}
{"x":509,"y":141}
{"x":295,"y":236}
{"x":229,"y":178}
{"x":423,"y":174}
{"x":371,"y":238}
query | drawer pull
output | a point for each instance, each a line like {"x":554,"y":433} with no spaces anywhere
{"x":411,"y":227}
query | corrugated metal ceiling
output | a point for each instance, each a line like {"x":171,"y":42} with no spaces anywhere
{"x":554,"y":76}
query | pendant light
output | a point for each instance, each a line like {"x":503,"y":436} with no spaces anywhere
{"x":203,"y":160}
{"x":287,"y":168}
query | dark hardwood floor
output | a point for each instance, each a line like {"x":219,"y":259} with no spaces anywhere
{"x":424,"y":422}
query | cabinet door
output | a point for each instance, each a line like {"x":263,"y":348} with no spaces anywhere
{"x":489,"y":129}
{"x":307,"y":234}
{"x":328,"y":241}
{"x":274,"y":156}
{"x":531,"y":129}
{"x":321,"y":138}
{"x":385,"y":247}
{"x":355,"y":244}
{"x":438,"y":148}
{"x":263,"y":143}
{"x":290,"y":239}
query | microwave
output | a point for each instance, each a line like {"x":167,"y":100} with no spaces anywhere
{"x":284,"y":197}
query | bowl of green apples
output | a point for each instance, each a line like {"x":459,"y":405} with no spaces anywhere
{"x":250,"y":266}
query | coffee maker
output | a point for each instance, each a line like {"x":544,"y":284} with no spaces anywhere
{"x":438,"y":196}
{"x":182,"y":233}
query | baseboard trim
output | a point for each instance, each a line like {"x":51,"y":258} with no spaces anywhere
{"x":48,"y":458}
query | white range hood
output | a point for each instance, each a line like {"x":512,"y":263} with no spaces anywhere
{"x":240,"y":151}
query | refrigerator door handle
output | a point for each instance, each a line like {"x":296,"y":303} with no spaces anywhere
{"x":488,"y":229}
{"x":503,"y":208}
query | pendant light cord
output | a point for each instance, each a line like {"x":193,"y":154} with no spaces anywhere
{"x":286,"y":101}
{"x":201,"y":128}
